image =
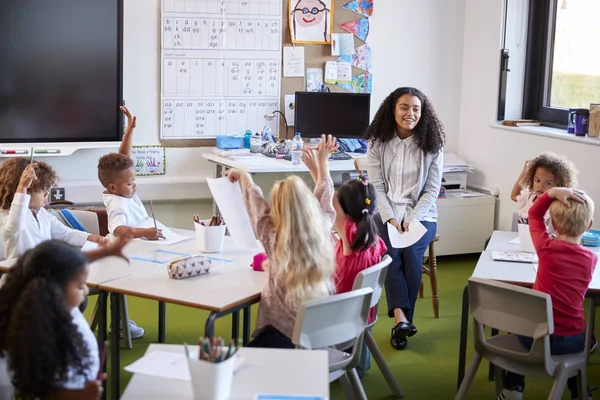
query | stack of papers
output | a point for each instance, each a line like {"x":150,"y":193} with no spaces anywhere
{"x":515,"y":256}
{"x":453,"y":163}
{"x":232,"y":153}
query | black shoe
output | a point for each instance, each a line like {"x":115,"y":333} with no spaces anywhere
{"x":404,"y":329}
{"x":399,"y":344}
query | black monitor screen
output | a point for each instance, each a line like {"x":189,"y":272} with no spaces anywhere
{"x":60,"y":70}
{"x":344,"y":115}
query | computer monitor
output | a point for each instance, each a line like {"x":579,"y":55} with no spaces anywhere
{"x":344,"y":115}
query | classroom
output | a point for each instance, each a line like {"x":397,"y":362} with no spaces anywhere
{"x":299,"y":199}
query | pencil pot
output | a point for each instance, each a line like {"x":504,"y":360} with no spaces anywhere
{"x":211,"y":381}
{"x":209,"y":238}
{"x":525,"y":239}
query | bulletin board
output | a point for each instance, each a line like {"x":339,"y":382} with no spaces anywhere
{"x":316,"y":55}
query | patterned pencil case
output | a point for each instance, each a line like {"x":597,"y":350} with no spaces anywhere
{"x":186,"y":267}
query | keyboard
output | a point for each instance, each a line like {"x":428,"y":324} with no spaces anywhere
{"x":337,"y":156}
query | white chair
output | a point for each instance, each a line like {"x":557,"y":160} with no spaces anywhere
{"x":331,"y":321}
{"x":374,"y":278}
{"x":524,"y":312}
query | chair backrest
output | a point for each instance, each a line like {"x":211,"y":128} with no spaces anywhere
{"x":88,"y":219}
{"x":515,"y":222}
{"x":360,"y":165}
{"x":373,"y":277}
{"x":513,"y":309}
{"x":332,"y":320}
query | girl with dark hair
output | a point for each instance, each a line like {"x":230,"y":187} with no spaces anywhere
{"x":50,"y":349}
{"x":405,"y":164}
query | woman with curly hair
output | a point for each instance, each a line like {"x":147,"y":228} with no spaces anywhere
{"x":23,"y":221}
{"x":49,"y":349}
{"x":405,"y":164}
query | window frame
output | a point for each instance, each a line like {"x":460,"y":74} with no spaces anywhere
{"x":538,"y":70}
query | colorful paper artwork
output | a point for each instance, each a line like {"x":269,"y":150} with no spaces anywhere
{"x":362,"y":83}
{"x":359,"y":28}
{"x":311,"y":21}
{"x":363,"y":7}
{"x":360,"y":59}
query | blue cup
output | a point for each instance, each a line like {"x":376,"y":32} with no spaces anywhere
{"x":580,"y":118}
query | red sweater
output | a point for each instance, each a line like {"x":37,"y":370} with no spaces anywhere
{"x":564,"y":272}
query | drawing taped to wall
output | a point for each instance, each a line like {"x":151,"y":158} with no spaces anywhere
{"x":311,"y":21}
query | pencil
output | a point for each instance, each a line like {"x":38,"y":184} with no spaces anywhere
{"x":31,"y":157}
{"x":102,"y":358}
{"x":153,"y":217}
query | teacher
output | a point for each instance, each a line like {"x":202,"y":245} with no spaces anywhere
{"x":405,"y":164}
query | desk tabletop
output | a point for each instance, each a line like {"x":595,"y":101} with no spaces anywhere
{"x":259,"y":163}
{"x":263,"y":371}
{"x":228,"y":284}
{"x":518,"y":273}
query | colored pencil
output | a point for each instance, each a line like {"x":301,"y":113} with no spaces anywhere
{"x":153,"y":217}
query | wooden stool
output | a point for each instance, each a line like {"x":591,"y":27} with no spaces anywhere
{"x":430,"y":269}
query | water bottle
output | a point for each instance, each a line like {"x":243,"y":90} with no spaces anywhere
{"x":247,"y":137}
{"x":297,"y":144}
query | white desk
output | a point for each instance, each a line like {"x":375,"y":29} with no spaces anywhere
{"x":521,"y":274}
{"x":265,"y":371}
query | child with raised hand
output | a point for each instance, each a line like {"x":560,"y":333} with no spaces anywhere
{"x":564,"y":272}
{"x":24,"y":223}
{"x":117,"y":174}
{"x":45,"y":341}
{"x":297,"y":240}
{"x":540,"y":174}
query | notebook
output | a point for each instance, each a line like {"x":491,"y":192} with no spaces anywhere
{"x":515,"y":256}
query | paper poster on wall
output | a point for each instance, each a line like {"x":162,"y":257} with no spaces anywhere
{"x":359,"y":28}
{"x":362,"y":83}
{"x":363,"y":7}
{"x":293,"y":62}
{"x":149,"y":160}
{"x":314,"y":79}
{"x":311,"y":21}
{"x":342,"y":44}
{"x":361,"y":58}
{"x":338,"y":72}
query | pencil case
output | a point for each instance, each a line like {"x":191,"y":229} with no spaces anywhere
{"x":186,"y":267}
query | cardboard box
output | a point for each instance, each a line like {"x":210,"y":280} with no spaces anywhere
{"x":594,"y":128}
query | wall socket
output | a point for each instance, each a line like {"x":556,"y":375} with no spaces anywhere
{"x":57,"y":194}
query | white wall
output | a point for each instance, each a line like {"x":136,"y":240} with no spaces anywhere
{"x":419,"y":44}
{"x":498,"y":155}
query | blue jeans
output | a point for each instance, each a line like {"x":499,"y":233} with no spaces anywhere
{"x":559,"y":345}
{"x":404,"y":273}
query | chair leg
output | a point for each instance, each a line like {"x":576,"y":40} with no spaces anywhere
{"x":499,"y":375}
{"x":346,"y":386}
{"x":558,"y":387}
{"x":357,"y":387}
{"x":383,"y":367}
{"x":468,"y":379}
{"x":433,"y":279}
{"x":421,"y":290}
{"x":583,"y":390}
{"x":125,"y":321}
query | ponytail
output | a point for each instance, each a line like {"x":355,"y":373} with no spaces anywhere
{"x":358,"y":201}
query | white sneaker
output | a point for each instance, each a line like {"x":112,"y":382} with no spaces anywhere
{"x":135,"y":331}
{"x":506,"y":394}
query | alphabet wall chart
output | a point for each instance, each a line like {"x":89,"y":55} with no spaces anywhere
{"x":221,"y":67}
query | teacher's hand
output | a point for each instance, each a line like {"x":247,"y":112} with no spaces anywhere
{"x":396,"y":225}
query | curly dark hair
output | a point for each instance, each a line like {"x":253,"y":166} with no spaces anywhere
{"x":429,"y":133}
{"x":359,"y":202}
{"x":565,"y":173}
{"x":10,"y":176}
{"x":110,"y":165}
{"x":37,"y":332}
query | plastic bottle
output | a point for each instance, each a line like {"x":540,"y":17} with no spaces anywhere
{"x":247,"y":137}
{"x":296,"y":151}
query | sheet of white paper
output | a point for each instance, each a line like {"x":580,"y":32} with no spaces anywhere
{"x":331,"y":72}
{"x":314,"y":79}
{"x":228,"y":197}
{"x":515,"y":241}
{"x":293,"y":61}
{"x":170,"y":236}
{"x":164,"y":364}
{"x":89,"y":246}
{"x":344,"y":74}
{"x":342,"y":44}
{"x":398,"y":240}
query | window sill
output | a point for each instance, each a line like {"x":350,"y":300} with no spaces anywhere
{"x":548,"y":132}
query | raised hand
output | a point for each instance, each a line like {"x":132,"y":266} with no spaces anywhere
{"x":131,"y":119}
{"x":27,"y":178}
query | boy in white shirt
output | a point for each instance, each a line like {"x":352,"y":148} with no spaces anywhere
{"x":24,"y":223}
{"x":123,"y":206}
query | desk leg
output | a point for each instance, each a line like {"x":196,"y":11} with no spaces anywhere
{"x":589,"y":329}
{"x":115,"y":367}
{"x":216,"y":211}
{"x":246,"y":326}
{"x":162,"y":322}
{"x":464,"y":326}
{"x":209,"y":326}
{"x":102,"y":297}
{"x":235,"y":325}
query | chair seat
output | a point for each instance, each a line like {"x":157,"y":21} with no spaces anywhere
{"x":337,"y":361}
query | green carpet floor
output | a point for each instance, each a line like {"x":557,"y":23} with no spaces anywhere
{"x":427,"y":369}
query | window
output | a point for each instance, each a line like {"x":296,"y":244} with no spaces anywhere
{"x":562,"y":68}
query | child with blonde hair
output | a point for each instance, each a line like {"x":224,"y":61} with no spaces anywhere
{"x":296,"y":237}
{"x":24,"y":223}
{"x":564,"y":272}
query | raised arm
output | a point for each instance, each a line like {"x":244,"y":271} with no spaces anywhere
{"x":431,"y":190}
{"x":20,"y":204}
{"x":516,"y":190}
{"x":127,"y":141}
{"x":114,"y":249}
